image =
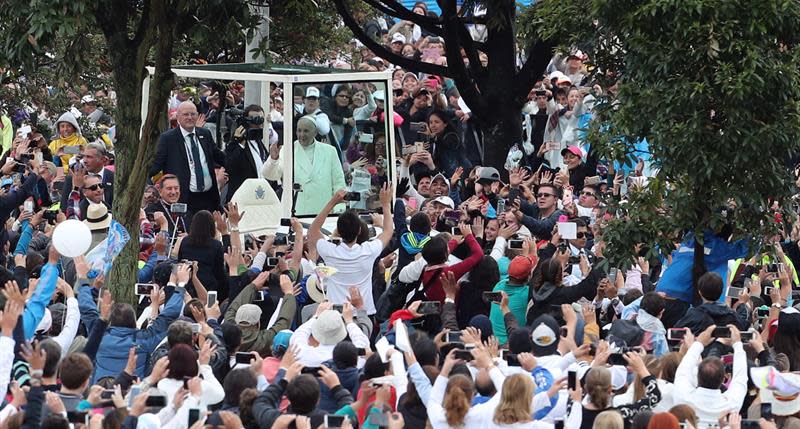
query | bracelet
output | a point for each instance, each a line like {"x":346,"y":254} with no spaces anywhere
{"x":234,"y":229}
{"x":37,"y":373}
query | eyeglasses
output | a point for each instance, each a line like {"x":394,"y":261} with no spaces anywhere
{"x":94,"y":187}
{"x":588,"y":194}
{"x":544,"y":194}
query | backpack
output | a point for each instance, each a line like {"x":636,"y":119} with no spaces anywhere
{"x":397,"y":294}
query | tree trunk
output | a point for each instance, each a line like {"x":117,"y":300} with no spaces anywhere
{"x":134,"y":152}
{"x":500,"y":132}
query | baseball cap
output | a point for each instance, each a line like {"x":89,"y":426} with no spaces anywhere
{"x":379,"y":95}
{"x":520,"y":268}
{"x":545,"y":335}
{"x":312,"y":91}
{"x":248,"y":315}
{"x":488,"y":176}
{"x":575,"y":150}
{"x":559,"y":77}
{"x":445,"y":200}
{"x":398,"y":38}
{"x":441,"y":176}
{"x":281,"y":340}
{"x":87,"y":99}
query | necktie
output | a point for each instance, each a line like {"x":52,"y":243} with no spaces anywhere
{"x":198,"y":168}
{"x":262,"y":152}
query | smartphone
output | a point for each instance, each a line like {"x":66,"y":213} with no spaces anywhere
{"x":501,"y":206}
{"x":762,"y":313}
{"x":774,"y":268}
{"x":107,"y":394}
{"x":281,"y":240}
{"x":338,"y":307}
{"x":734,"y":292}
{"x":286,"y":222}
{"x":77,"y":417}
{"x":429,"y":307}
{"x":768,"y":290}
{"x":334,"y":421}
{"x":409,"y":150}
{"x":747,"y":336}
{"x":366,"y":218}
{"x":272,"y":262}
{"x":492,"y":296}
{"x":135,"y":390}
{"x":24,"y":131}
{"x":465,"y":355}
{"x":455,"y":230}
{"x":752,"y":424}
{"x":312,"y":370}
{"x":244,"y":358}
{"x":72,"y":150}
{"x":453,"y":337}
{"x":510,"y":358}
{"x":195,"y":328}
{"x":721,"y":332}
{"x":592,"y":180}
{"x":144,"y":289}
{"x":352,"y":196}
{"x":676,"y":334}
{"x":612,"y":275}
{"x":157,"y":401}
{"x":572,"y":380}
{"x":515,"y":244}
{"x":617,"y":359}
{"x":194,"y":416}
{"x":336,"y":241}
{"x":259,"y":296}
{"x":212,"y":298}
{"x":365,"y":138}
{"x":186,"y":382}
{"x":766,"y":410}
{"x":416,"y":127}
{"x":177,"y":208}
{"x":28,"y":206}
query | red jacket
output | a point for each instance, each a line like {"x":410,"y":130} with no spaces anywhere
{"x":433,"y":286}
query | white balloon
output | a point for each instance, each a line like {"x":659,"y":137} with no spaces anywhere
{"x":72,"y":238}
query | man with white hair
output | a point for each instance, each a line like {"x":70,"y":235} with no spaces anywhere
{"x":316,"y":168}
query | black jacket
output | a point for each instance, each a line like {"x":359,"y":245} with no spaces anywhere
{"x":697,"y":319}
{"x":240,"y":165}
{"x":549,"y":295}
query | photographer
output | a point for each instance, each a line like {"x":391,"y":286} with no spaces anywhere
{"x":247,"y":151}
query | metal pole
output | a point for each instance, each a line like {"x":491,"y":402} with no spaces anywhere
{"x":252,"y":89}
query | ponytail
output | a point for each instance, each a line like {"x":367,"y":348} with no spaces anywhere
{"x":458,"y":399}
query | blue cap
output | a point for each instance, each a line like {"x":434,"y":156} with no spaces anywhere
{"x":6,"y":182}
{"x":281,"y":340}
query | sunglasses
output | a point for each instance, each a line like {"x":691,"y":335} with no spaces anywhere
{"x":583,"y":235}
{"x":94,"y":187}
{"x":588,"y":194}
{"x":544,"y":194}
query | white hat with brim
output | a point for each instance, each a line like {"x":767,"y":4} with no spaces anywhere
{"x":314,"y":288}
{"x":329,"y":328}
{"x":781,"y":389}
{"x":97,"y":217}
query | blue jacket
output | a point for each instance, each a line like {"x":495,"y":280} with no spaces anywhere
{"x":34,"y":309}
{"x":676,"y":281}
{"x":348,"y":378}
{"x":112,"y":353}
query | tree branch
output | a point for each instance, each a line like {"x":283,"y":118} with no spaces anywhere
{"x":470,"y":49}
{"x":467,"y":86}
{"x":142,"y":30}
{"x":429,"y":24}
{"x":539,"y":55}
{"x":384,"y":53}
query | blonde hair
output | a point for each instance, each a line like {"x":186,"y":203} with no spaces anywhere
{"x":653,"y":365}
{"x":515,"y":400}
{"x":598,"y":386}
{"x":458,"y":399}
{"x":610,"y":419}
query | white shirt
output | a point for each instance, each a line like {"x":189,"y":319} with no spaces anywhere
{"x":192,"y":176}
{"x":253,"y":146}
{"x":354,"y":265}
{"x":315,"y":356}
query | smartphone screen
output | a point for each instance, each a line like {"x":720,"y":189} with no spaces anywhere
{"x":453,"y":337}
{"x":721,"y":332}
{"x":572,"y":380}
{"x":429,"y":307}
{"x":144,"y":289}
{"x":676,"y":334}
{"x":194,"y":416}
{"x":243,"y":358}
{"x":212,"y":298}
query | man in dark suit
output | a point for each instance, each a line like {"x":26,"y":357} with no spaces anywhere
{"x":188,"y":152}
{"x":245,"y":155}
{"x":93,"y":161}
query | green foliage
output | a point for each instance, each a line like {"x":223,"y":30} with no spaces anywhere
{"x":714,"y":87}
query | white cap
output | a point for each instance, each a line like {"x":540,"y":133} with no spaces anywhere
{"x":312,"y":91}
{"x":379,"y":95}
{"x":87,"y":99}
{"x":447,"y":201}
{"x":397,"y":37}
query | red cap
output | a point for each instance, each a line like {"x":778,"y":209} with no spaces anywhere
{"x":521,"y":267}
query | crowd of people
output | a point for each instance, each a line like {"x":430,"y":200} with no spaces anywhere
{"x":454,"y":295}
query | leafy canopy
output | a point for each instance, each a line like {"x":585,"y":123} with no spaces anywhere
{"x":714,"y":87}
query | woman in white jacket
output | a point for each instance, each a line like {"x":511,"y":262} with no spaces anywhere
{"x":183,"y":362}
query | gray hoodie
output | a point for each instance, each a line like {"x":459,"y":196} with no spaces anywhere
{"x":69,"y":118}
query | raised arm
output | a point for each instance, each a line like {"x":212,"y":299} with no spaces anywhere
{"x":315,"y":230}
{"x":388,"y":223}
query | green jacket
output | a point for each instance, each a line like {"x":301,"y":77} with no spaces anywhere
{"x":253,"y":338}
{"x":517,"y":303}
